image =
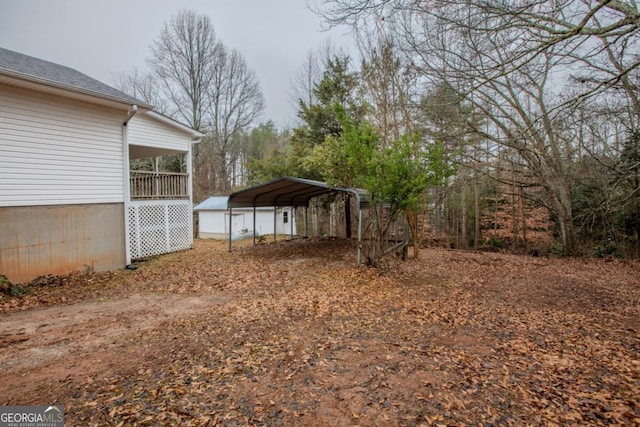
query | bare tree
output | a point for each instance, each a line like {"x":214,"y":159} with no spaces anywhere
{"x":144,"y":87}
{"x":234,"y":102}
{"x":511,"y":60}
{"x":595,"y":40}
{"x":183,"y":59}
{"x":310,"y":73}
{"x":389,"y":86}
{"x":198,"y":81}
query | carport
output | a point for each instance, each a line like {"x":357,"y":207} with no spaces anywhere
{"x":293,"y":192}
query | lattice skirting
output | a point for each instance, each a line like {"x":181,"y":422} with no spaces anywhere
{"x":159,"y":227}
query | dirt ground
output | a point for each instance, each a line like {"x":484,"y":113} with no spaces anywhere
{"x":294,"y":333}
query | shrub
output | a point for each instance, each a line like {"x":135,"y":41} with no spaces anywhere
{"x":496,"y":242}
{"x":12,"y":289}
{"x":610,"y":249}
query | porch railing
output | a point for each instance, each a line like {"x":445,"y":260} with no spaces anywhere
{"x":147,"y":185}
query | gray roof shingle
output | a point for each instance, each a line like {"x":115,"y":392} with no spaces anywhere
{"x":58,"y":75}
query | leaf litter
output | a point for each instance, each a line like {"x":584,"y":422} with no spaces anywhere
{"x":305,"y":337}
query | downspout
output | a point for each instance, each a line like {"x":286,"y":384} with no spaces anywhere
{"x":127,"y":182}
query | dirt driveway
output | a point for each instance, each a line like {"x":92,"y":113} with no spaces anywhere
{"x":64,"y":340}
{"x":294,"y":334}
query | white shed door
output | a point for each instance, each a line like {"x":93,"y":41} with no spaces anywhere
{"x":237,"y":223}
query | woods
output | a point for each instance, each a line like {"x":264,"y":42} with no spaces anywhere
{"x":527,"y":80}
{"x":483,"y":124}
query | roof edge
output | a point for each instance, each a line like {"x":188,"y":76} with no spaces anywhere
{"x":69,"y":88}
{"x":360,"y":194}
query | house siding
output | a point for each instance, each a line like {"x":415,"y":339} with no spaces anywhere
{"x":147,"y":132}
{"x":57,"y":151}
{"x":60,"y":240}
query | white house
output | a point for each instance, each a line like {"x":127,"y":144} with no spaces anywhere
{"x":68,"y":199}
{"x":213,"y":220}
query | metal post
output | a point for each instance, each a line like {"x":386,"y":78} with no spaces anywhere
{"x":359,"y":234}
{"x":254,"y":226}
{"x":292,"y":211}
{"x":306,"y":215}
{"x":230,"y":222}
{"x":275,"y":223}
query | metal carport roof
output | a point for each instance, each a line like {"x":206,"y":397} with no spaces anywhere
{"x":289,"y":191}
{"x":296,"y":192}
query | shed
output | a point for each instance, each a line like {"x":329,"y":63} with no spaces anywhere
{"x":214,"y":220}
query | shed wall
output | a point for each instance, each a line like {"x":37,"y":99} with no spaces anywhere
{"x":211,"y":222}
{"x":60,"y":239}
{"x":215,"y":223}
{"x":57,"y":151}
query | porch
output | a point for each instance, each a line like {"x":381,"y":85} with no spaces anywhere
{"x":159,"y":213}
{"x":149,"y":185}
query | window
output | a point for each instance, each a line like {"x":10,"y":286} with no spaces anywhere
{"x":285,"y":217}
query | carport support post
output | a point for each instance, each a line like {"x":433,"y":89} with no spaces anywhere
{"x":254,"y":226}
{"x":359,"y":234}
{"x":230,"y":222}
{"x":292,"y":211}
{"x":275,"y":223}
{"x":306,"y":214}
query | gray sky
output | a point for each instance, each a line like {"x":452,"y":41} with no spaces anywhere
{"x":103,"y":38}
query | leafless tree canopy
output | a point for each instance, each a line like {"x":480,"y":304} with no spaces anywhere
{"x":197,"y":80}
{"x":234,"y":102}
{"x":183,"y":58}
{"x":143,"y":87}
{"x":309,"y":75}
{"x":582,"y":33}
{"x":525,"y":66}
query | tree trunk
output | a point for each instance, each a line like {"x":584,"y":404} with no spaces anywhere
{"x":562,"y":202}
{"x":524,"y":219}
{"x":476,"y":195}
{"x":464,"y":242}
{"x":637,"y":248}
{"x":412,"y":221}
{"x":514,"y":216}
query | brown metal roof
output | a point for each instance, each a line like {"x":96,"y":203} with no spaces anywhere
{"x":289,"y":191}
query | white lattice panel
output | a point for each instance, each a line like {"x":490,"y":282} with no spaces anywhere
{"x":158,"y":227}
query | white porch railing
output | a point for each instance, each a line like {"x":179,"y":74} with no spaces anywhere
{"x":147,"y":185}
{"x":159,"y":226}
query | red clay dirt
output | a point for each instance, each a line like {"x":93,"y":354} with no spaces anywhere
{"x":295,"y":333}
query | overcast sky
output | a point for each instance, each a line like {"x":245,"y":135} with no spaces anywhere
{"x":103,"y":38}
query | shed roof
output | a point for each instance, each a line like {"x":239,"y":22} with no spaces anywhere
{"x":288,"y":191}
{"x":218,"y":203}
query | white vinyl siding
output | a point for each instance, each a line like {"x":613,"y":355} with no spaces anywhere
{"x":57,"y":151}
{"x":148,"y":132}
